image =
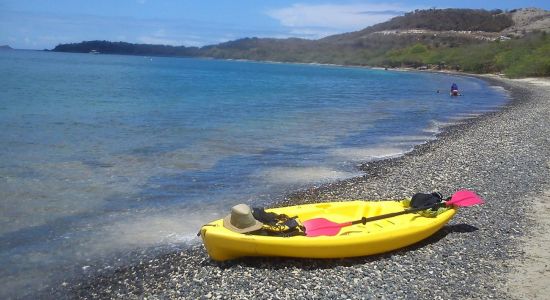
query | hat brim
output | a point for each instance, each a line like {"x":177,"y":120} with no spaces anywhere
{"x":227,"y":224}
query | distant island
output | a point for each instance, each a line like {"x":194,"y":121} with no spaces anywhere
{"x":96,"y":47}
{"x":5,"y":47}
{"x":514,"y":42}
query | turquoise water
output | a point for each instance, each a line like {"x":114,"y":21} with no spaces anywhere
{"x":103,"y":155}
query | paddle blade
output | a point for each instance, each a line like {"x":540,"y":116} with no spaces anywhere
{"x":322,"y":226}
{"x":464,"y":198}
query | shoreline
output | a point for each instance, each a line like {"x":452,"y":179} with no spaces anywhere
{"x":376,"y":168}
{"x":479,"y":246}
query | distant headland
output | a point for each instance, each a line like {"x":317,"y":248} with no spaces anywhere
{"x":471,"y":40}
{"x":5,"y":47}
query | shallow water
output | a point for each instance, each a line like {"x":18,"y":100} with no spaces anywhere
{"x":105,"y":154}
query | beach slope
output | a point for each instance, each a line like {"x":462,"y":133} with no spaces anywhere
{"x":501,"y":155}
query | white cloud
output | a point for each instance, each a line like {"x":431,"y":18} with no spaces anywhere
{"x":311,"y":21}
{"x":318,"y":20}
{"x":46,"y":30}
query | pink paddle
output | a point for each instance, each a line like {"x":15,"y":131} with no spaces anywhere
{"x":464,"y":198}
{"x":324,"y":227}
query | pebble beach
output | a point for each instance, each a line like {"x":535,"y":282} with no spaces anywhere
{"x":503,"y":156}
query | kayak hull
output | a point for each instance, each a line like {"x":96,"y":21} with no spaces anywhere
{"x":357,"y":240}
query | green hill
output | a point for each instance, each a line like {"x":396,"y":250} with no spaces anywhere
{"x":470,"y":40}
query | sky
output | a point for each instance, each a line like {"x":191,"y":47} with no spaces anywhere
{"x":43,"y":24}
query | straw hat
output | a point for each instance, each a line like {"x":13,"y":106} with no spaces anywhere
{"x":241,"y":219}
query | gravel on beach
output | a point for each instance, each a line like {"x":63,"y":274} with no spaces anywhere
{"x":503,"y":156}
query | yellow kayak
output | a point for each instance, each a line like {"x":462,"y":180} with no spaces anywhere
{"x":225,"y":243}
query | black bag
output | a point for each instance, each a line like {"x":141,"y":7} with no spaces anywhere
{"x":426,"y":200}
{"x":267,"y":218}
{"x":277,"y":224}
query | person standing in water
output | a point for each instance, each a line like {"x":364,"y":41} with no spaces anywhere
{"x":454,"y":89}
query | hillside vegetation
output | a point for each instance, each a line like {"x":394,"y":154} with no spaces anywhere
{"x":475,"y":41}
{"x":521,"y":57}
{"x":451,"y":19}
{"x":436,"y":20}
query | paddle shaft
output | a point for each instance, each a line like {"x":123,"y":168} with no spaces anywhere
{"x":364,"y":220}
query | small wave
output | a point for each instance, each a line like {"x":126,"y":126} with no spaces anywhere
{"x":143,"y":230}
{"x":497,"y":88}
{"x":436,"y":127}
{"x":409,"y":139}
{"x":303,"y":175}
{"x":460,"y":118}
{"x":365,"y":154}
{"x":463,"y":116}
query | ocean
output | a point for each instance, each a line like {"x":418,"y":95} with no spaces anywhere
{"x":105,"y":156}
